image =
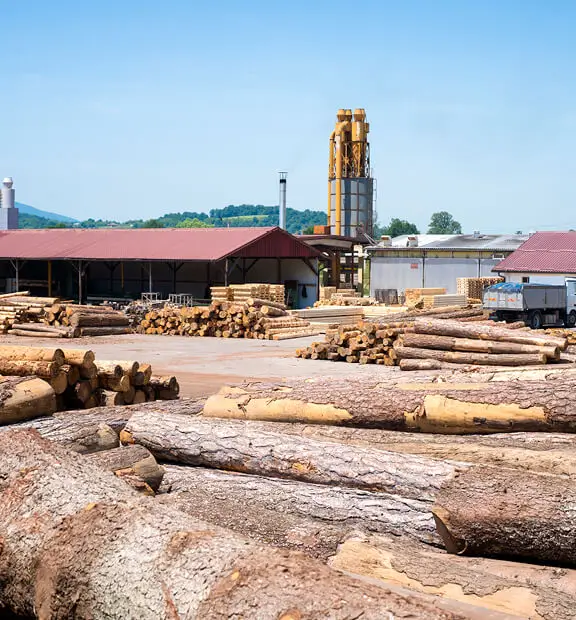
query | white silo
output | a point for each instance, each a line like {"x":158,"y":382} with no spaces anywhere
{"x":8,"y":210}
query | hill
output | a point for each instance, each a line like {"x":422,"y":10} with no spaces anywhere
{"x":56,"y":217}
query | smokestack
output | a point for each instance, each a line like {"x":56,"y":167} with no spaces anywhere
{"x":8,"y":211}
{"x":282,"y":202}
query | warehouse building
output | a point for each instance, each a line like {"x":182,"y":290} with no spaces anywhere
{"x":544,"y":258}
{"x":434,"y":261}
{"x":98,"y":264}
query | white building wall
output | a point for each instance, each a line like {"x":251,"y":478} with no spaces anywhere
{"x":402,"y":273}
{"x":538,"y":278}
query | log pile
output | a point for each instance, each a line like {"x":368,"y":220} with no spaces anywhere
{"x":20,"y":309}
{"x":80,"y":320}
{"x":414,"y":295}
{"x":456,"y":342}
{"x":255,"y":318}
{"x":79,"y":382}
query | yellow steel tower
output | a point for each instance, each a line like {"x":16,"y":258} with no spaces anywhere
{"x":350,"y":187}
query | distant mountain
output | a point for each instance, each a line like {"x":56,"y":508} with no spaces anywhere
{"x":56,"y":217}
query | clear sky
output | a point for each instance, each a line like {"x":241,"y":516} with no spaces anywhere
{"x":134,"y":108}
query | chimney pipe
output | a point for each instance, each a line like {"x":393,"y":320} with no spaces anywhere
{"x":282,"y":202}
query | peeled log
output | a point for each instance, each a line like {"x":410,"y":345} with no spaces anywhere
{"x":22,"y":368}
{"x":448,"y":343}
{"x":114,"y":384}
{"x":70,"y":560}
{"x":59,"y":382}
{"x":416,"y":364}
{"x":35,"y":354}
{"x":511,"y":587}
{"x":311,"y":517}
{"x":446,"y":407}
{"x":476,"y":359}
{"x":117,"y":368}
{"x":131,"y":461}
{"x":105,"y":331}
{"x":78,"y":357}
{"x":22,"y":398}
{"x":495,"y":512}
{"x":485,"y":332}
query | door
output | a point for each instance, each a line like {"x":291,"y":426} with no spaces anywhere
{"x":570,"y":295}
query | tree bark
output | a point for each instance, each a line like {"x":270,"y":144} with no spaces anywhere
{"x":446,"y":407}
{"x":113,"y":383}
{"x":105,"y":331}
{"x":23,"y":368}
{"x":237,"y":446}
{"x":540,"y":452}
{"x":485,"y":332}
{"x":79,"y":319}
{"x":34,"y":354}
{"x":67,"y":526}
{"x":131,"y":461}
{"x":448,"y":343}
{"x":117,"y":368}
{"x":22,"y":398}
{"x":308,"y":517}
{"x":475,"y":359}
{"x":507,"y":513}
{"x":511,"y":587}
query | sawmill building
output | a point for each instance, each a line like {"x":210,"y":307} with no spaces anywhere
{"x":99,"y":264}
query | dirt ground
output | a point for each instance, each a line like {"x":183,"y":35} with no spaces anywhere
{"x":203,"y":365}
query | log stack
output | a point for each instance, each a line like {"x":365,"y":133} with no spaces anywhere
{"x":242,"y":292}
{"x":81,"y":383}
{"x":82,"y":320}
{"x":445,"y":341}
{"x":20,"y":309}
{"x":254,"y":318}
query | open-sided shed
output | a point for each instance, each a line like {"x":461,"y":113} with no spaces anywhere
{"x":119,"y":263}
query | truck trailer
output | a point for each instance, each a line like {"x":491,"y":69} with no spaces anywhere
{"x":538,"y":305}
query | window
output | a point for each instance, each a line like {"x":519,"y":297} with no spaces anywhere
{"x":525,"y":279}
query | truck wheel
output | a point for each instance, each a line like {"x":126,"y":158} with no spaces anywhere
{"x":571,"y":319}
{"x":535,"y":320}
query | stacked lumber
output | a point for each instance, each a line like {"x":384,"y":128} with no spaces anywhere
{"x":460,"y":342}
{"x":78,"y":382}
{"x":326,"y":292}
{"x":362,"y":343}
{"x":255,"y":318}
{"x":346,"y":299}
{"x":442,"y":301}
{"x":81,"y":320}
{"x":473,"y":288}
{"x":242,"y":292}
{"x":20,"y":309}
{"x":330,"y":315}
{"x":414,"y":295}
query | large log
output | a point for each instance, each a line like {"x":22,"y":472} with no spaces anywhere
{"x":237,"y":446}
{"x":131,"y":461}
{"x":456,"y":329}
{"x":440,"y":407}
{"x":287,"y":513}
{"x":79,"y":357}
{"x":541,"y":452}
{"x":448,"y":343}
{"x":22,"y":368}
{"x":89,"y":319}
{"x":507,"y":513}
{"x":37,"y":354}
{"x":520,"y":589}
{"x":475,"y":359}
{"x":22,"y":398}
{"x":71,"y":560}
{"x":105,"y":331}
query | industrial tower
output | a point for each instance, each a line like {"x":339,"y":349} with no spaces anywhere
{"x":350,"y":186}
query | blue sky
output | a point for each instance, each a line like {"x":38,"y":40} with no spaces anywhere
{"x":135,"y":108}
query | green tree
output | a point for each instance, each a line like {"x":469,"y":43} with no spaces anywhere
{"x":399,"y":227}
{"x":442,"y":223}
{"x":152,"y":224}
{"x":193,"y":223}
{"x":309,"y":230}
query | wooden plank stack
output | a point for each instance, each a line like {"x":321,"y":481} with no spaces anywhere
{"x":473,"y":288}
{"x":441,"y":301}
{"x":414,"y":295}
{"x":80,"y":382}
{"x":243,"y":292}
{"x":254,"y":318}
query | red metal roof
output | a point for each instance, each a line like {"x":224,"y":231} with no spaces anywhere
{"x":543,"y":252}
{"x":181,"y":244}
